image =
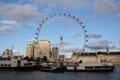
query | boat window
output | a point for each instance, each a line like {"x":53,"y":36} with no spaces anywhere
{"x":9,"y":65}
{"x":1,"y":64}
{"x":98,"y":67}
{"x":106,"y":66}
{"x":89,"y":67}
{"x":5,"y":64}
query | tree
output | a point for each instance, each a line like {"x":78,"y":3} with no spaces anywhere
{"x":38,"y":59}
{"x":44,"y":59}
{"x":26,"y":58}
{"x":50,"y":54}
{"x":31,"y":59}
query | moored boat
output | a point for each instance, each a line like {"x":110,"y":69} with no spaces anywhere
{"x":16,"y":65}
{"x":90,"y":67}
{"x":49,"y":67}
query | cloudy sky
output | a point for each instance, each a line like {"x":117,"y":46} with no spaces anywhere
{"x":19,"y":20}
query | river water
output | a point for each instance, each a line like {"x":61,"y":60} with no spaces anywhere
{"x":38,"y":75}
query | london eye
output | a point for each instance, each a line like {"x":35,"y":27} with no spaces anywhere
{"x":64,"y":15}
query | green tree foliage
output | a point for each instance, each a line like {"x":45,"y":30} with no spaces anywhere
{"x":26,"y":58}
{"x":38,"y":60}
{"x":31,"y":59}
{"x":44,"y":59}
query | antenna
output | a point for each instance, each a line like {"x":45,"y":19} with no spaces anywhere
{"x":12,"y":50}
{"x":61,"y":46}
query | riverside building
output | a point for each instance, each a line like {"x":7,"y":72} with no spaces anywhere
{"x":6,"y":53}
{"x":113,"y":57}
{"x":29,"y":50}
{"x":55,"y":53}
{"x":40,"y":50}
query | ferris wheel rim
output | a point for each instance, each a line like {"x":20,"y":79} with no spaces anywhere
{"x":78,"y":21}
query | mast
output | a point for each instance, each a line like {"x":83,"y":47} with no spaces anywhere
{"x":12,"y":50}
{"x":61,"y":46}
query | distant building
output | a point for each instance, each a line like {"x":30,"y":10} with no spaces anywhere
{"x":43,"y":48}
{"x":61,"y":58}
{"x":55,"y":53}
{"x":6,"y":54}
{"x":113,"y":57}
{"x":29,"y":50}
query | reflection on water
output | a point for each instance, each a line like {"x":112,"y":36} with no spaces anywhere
{"x":37,"y":75}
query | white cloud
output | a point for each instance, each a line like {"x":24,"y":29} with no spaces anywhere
{"x":102,"y":45}
{"x":64,"y":4}
{"x":9,"y":22}
{"x":19,"y":12}
{"x":99,"y":45}
{"x":20,"y":15}
{"x":94,"y":35}
{"x":107,"y":6}
{"x":99,"y":6}
{"x":72,"y":50}
{"x":64,"y":44}
{"x":6,"y":28}
{"x":116,"y":49}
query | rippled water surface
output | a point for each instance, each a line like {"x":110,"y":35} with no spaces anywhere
{"x":37,"y":75}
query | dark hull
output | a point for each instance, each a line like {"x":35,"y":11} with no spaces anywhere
{"x":28,"y":68}
{"x":59,"y":69}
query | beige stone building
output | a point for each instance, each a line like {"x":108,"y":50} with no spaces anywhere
{"x":45,"y":48}
{"x":6,"y":54}
{"x":42,"y":49}
{"x":113,"y":57}
{"x":38,"y":50}
{"x":55,"y":53}
{"x":29,"y":50}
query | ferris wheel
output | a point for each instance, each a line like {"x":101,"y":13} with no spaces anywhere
{"x":64,"y":15}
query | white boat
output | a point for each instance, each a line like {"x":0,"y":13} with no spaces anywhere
{"x":16,"y":64}
{"x":90,"y":67}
